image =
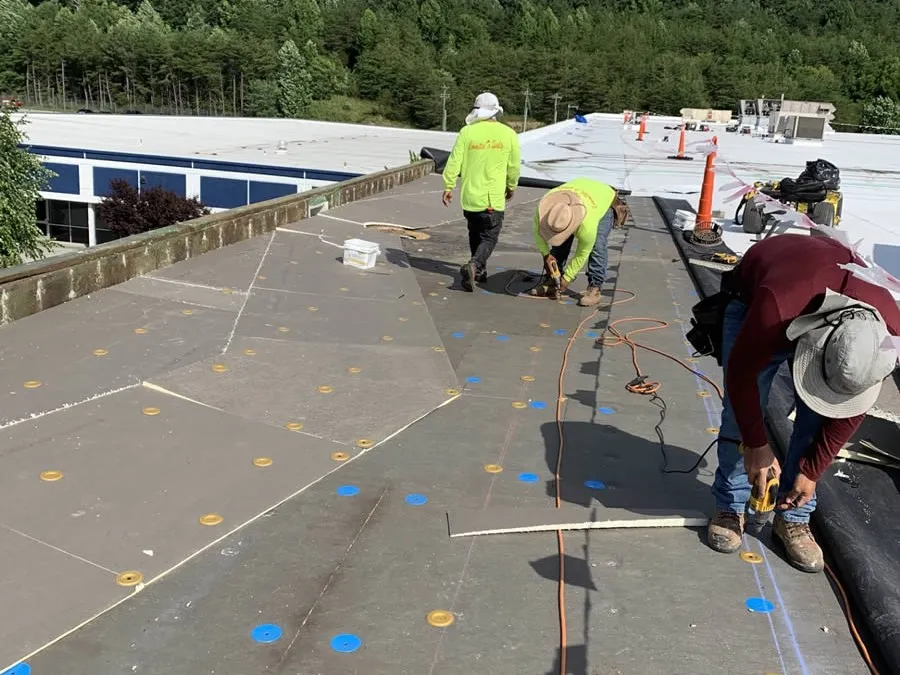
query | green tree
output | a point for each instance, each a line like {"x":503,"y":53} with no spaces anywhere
{"x":881,"y":116}
{"x":294,"y":81}
{"x":22,"y":176}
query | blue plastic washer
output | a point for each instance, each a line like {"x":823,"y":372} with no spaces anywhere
{"x":473,"y":380}
{"x":539,"y":405}
{"x":266,"y":633}
{"x":595,"y":484}
{"x":458,"y":334}
{"x":501,"y":269}
{"x":591,"y":334}
{"x":529,"y":477}
{"x":18,"y":669}
{"x":348,"y":490}
{"x":416,"y":499}
{"x":503,"y":338}
{"x":760,"y":605}
{"x":560,"y":331}
{"x":345,"y":643}
{"x":606,"y":410}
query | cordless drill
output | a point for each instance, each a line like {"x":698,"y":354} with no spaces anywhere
{"x":553,"y":268}
{"x":762,"y":505}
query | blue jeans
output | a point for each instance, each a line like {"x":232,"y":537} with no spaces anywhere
{"x":598,"y":259}
{"x":731,"y":487}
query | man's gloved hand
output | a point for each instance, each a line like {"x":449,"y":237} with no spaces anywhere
{"x":757,"y":462}
{"x":563,"y":284}
{"x":800,"y":493}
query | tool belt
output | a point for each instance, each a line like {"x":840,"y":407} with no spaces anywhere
{"x":705,"y":334}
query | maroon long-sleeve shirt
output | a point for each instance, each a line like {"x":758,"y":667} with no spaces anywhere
{"x":781,"y":278}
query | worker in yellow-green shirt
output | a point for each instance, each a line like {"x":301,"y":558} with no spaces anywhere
{"x":577,"y":213}
{"x":486,"y":155}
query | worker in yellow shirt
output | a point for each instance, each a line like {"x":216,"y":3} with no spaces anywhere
{"x":577,"y":213}
{"x":486,"y":154}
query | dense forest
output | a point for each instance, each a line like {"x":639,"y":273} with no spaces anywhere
{"x":401,"y":60}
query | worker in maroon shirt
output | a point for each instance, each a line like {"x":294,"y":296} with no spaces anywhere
{"x":793,"y":303}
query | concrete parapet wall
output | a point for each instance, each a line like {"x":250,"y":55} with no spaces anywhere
{"x":28,"y":289}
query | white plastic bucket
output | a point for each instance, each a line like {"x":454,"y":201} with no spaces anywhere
{"x":360,"y":253}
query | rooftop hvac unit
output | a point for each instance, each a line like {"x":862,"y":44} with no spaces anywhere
{"x":804,"y":128}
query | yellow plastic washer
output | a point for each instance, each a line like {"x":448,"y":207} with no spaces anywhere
{"x":451,"y":392}
{"x":534,"y":348}
{"x":703,"y":394}
{"x":402,"y":318}
{"x":227,"y":291}
{"x":211,"y":519}
{"x":544,"y":325}
{"x":343,"y":289}
{"x":249,"y":352}
{"x":151,"y":411}
{"x":129,"y":578}
{"x":312,"y":308}
{"x":712,"y":430}
{"x":433,"y":294}
{"x":261,"y":277}
{"x":340,"y":456}
{"x":363,"y":443}
{"x":440,"y":618}
{"x":325,"y":389}
{"x":750,"y":557}
{"x":353,"y":370}
{"x":417,"y":302}
{"x":493,"y":468}
{"x":100,"y":352}
{"x":187,"y":312}
{"x":262,"y":461}
{"x":293,"y":426}
{"x":527,"y":378}
{"x":140,"y":331}
{"x":220,"y":368}
{"x":386,"y":338}
{"x":284,"y":329}
{"x":51,"y":476}
{"x":32,"y":384}
{"x":438,"y":349}
{"x":519,"y":405}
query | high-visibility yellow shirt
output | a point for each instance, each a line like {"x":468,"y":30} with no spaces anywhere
{"x":597,"y":197}
{"x":487,"y":156}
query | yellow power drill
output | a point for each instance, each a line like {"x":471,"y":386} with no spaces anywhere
{"x":553,"y":268}
{"x":762,"y":505}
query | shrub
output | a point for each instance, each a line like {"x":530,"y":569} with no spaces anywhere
{"x":127,"y":211}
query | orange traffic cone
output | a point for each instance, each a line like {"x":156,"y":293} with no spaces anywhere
{"x":681,"y":154}
{"x":643,"y":128}
{"x":706,"y":231}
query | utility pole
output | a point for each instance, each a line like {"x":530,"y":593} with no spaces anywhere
{"x":556,"y":98}
{"x":444,"y":96}
{"x":525,"y":117}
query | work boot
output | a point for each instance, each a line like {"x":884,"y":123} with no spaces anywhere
{"x":468,"y":274}
{"x":590,"y":297}
{"x":802,"y":550}
{"x":725,"y":532}
{"x":482,"y":277}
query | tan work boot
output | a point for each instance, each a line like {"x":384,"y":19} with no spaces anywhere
{"x":545,"y":291}
{"x":802,"y":550}
{"x":725,"y":532}
{"x":590,"y":297}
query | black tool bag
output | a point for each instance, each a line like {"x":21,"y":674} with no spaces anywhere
{"x":705,"y":334}
{"x":802,"y":189}
{"x":824,"y":171}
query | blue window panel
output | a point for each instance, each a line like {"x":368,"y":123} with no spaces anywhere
{"x":174,"y":182}
{"x":103,"y":176}
{"x":66,"y":180}
{"x":260,"y":192}
{"x":223,"y":193}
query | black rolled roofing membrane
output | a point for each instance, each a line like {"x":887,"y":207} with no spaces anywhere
{"x":857,"y":520}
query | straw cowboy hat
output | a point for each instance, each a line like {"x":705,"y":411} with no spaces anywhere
{"x":486,"y":107}
{"x":559,"y":215}
{"x":843,"y":354}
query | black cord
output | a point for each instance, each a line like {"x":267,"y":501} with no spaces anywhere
{"x":660,"y":403}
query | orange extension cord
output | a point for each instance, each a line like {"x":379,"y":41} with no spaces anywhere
{"x":640,"y":385}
